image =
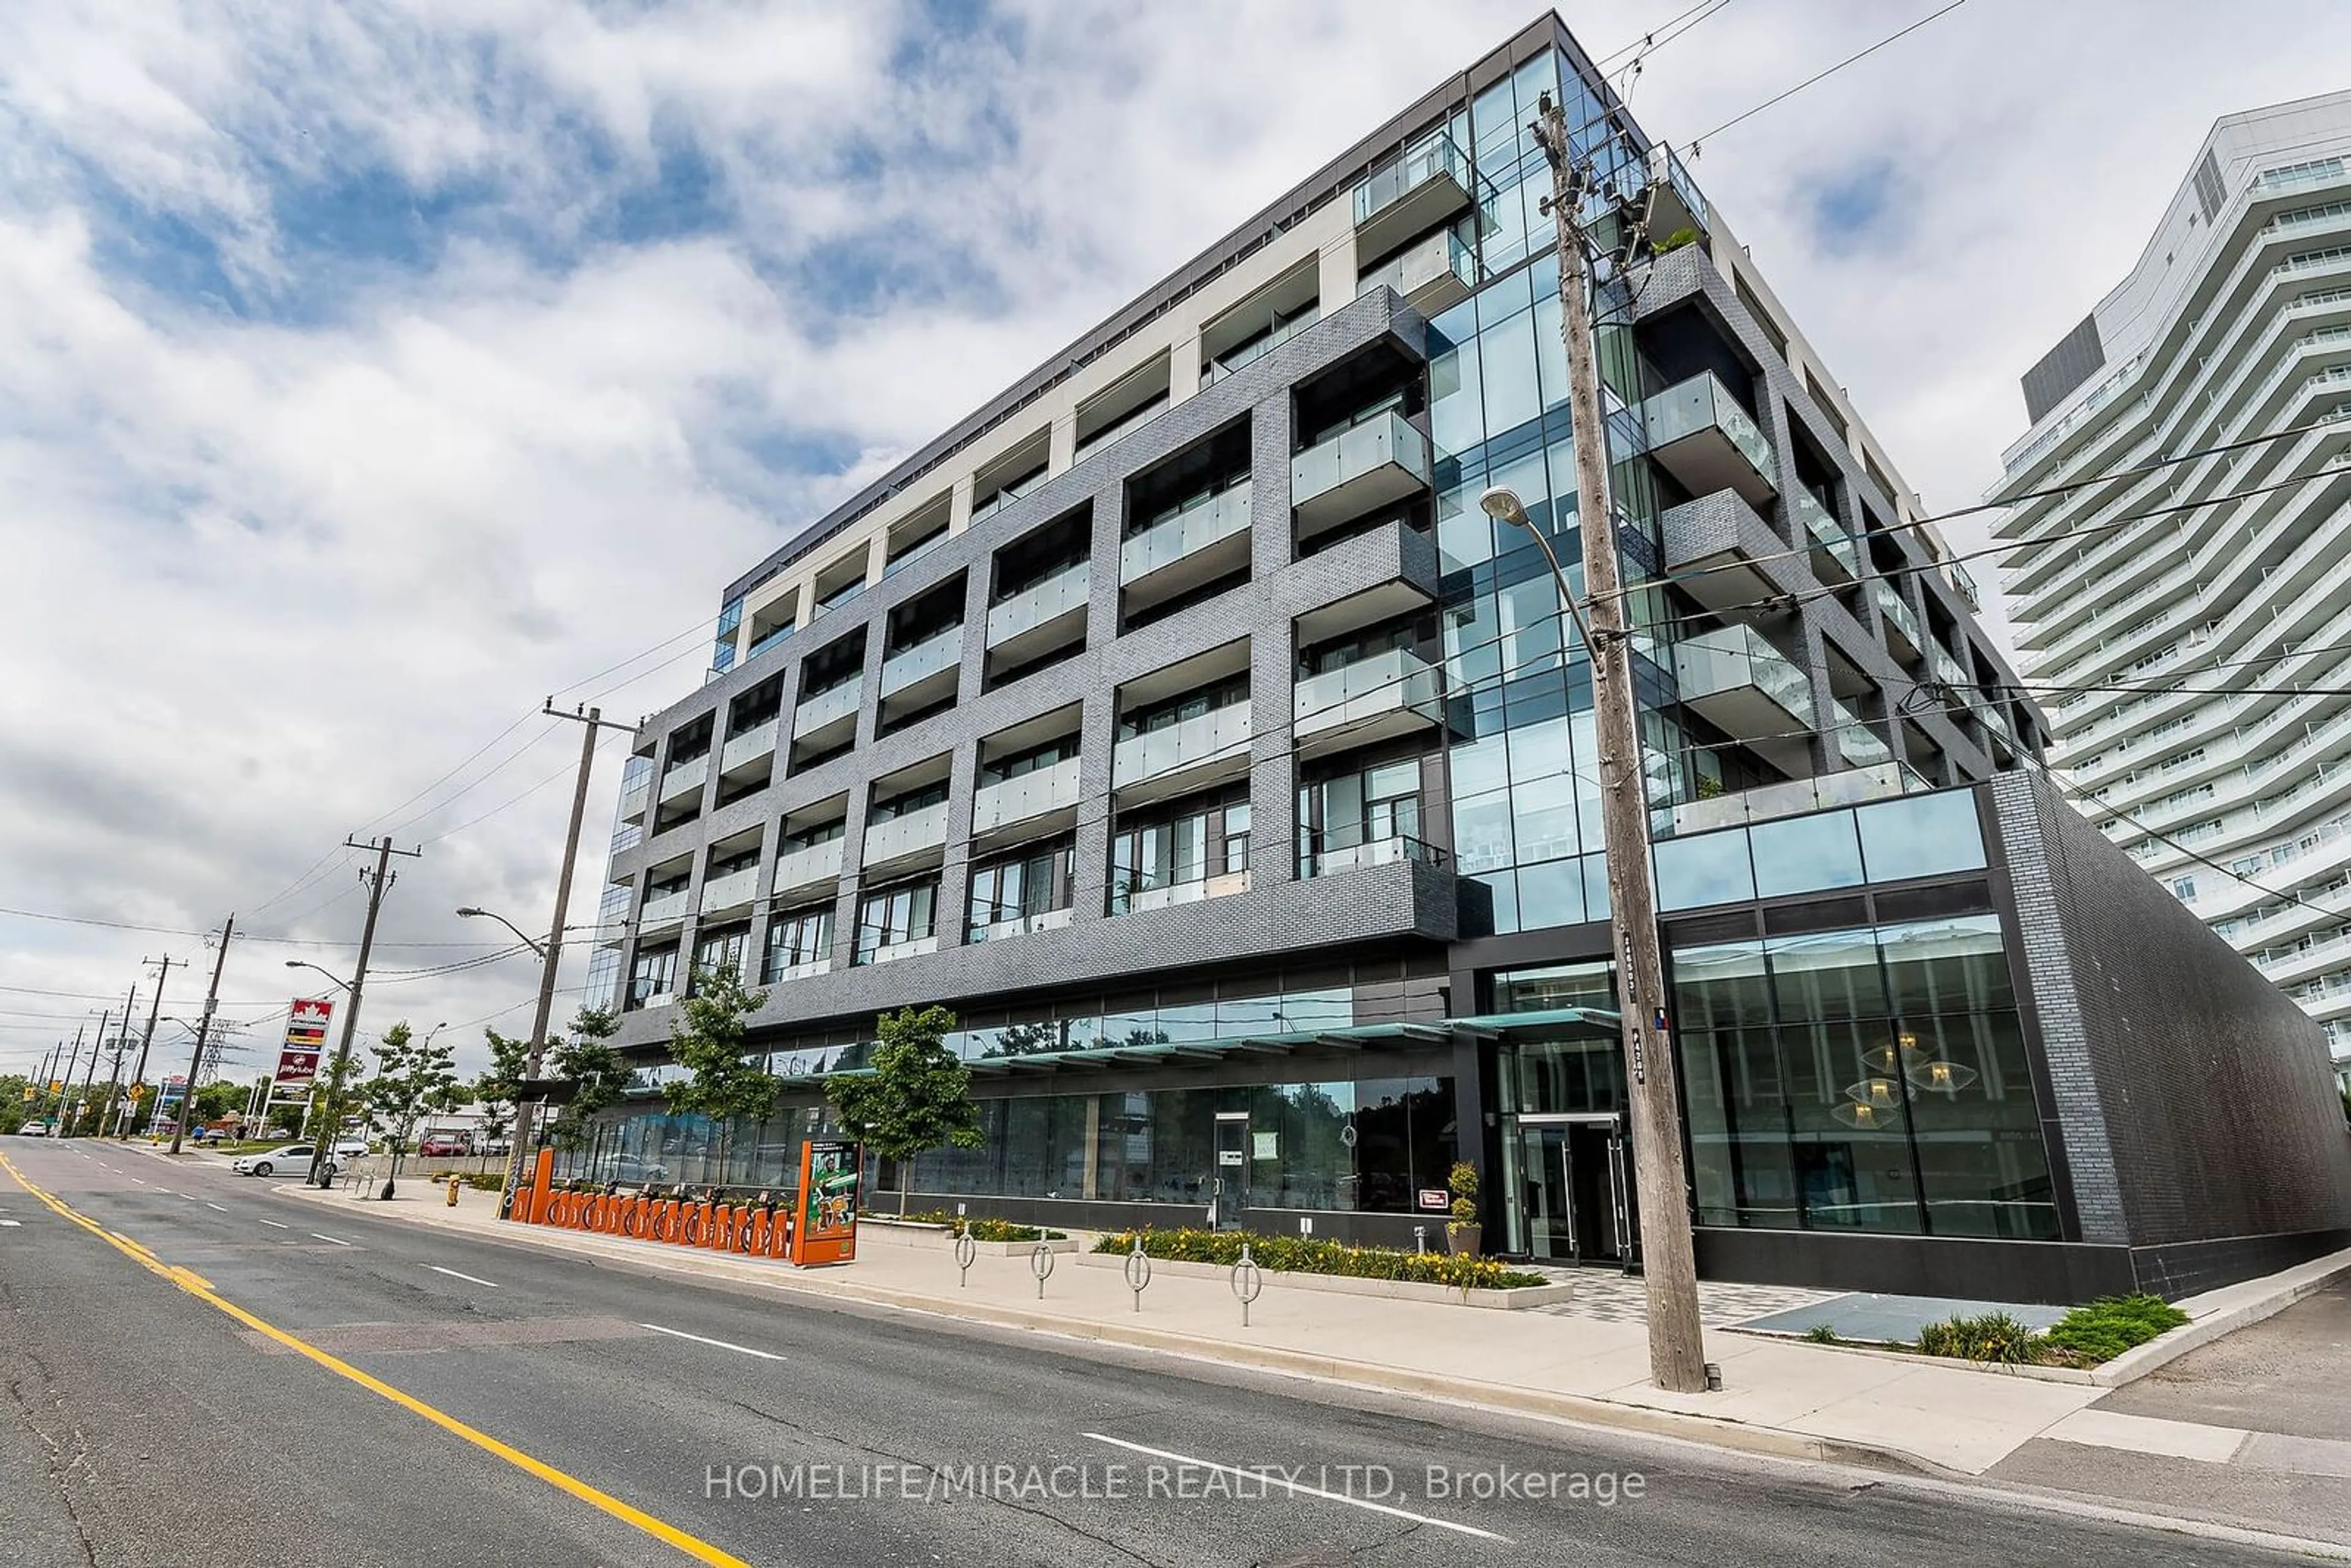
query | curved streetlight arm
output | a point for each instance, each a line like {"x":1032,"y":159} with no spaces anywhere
{"x":533,"y":943}
{"x":305,"y":963}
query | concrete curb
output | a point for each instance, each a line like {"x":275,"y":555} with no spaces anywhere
{"x":1648,"y":1420}
{"x":2223,"y":1312}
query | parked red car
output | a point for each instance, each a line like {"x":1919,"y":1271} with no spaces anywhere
{"x":437,"y":1144}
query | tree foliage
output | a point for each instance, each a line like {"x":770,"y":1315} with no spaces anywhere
{"x":14,"y":1106}
{"x":495,"y":1089}
{"x":593,"y":1070}
{"x":708,"y":1043}
{"x":412,"y":1078}
{"x":917,"y":1098}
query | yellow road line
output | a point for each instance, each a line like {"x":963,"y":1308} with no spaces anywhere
{"x":197,"y":1286}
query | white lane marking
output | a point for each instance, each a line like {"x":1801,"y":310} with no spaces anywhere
{"x":11,"y":1224}
{"x":274,"y":1225}
{"x":216,"y":1208}
{"x":335,"y":1240}
{"x":469,"y":1278}
{"x":1269,"y":1476}
{"x":720,"y":1344}
{"x":140,"y":1180}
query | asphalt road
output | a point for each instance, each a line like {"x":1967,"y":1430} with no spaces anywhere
{"x":523,"y":1407}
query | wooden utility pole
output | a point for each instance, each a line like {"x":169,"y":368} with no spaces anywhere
{"x":322,"y":1168}
{"x":90,"y":1073}
{"x":187,"y":1112}
{"x":113,"y":1102}
{"x":1668,"y":1260}
{"x":155,"y":1009}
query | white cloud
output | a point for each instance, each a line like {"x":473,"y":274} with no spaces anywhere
{"x":361,"y":382}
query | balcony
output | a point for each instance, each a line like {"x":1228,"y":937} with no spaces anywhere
{"x":1329,"y":860}
{"x":1205,"y":539}
{"x":1435,"y":274}
{"x":750,"y":750}
{"x":1705,"y":439}
{"x":1375,"y":463}
{"x":1133,"y":901}
{"x":1045,"y":799}
{"x":633,"y":799}
{"x":1857,"y":744}
{"x":825,"y":720}
{"x":897,"y":842}
{"x":1725,"y":557}
{"x":1748,"y":690}
{"x":1193,"y":754}
{"x":1795,"y":798}
{"x":1041,"y":616}
{"x":808,"y":866}
{"x":1372,"y":700}
{"x":922,"y":674}
{"x":663,"y":909}
{"x":731,"y":893}
{"x":1420,"y":188}
{"x":1901,"y":625}
{"x":1835,"y":557}
{"x":889,"y":952}
{"x":685,"y":778}
{"x":1947,"y":669}
{"x":801,"y":971}
{"x":1679,"y":202}
{"x":1023,"y":926}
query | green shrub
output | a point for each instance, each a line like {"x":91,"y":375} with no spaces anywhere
{"x":1304,"y":1255}
{"x":1995,"y":1337}
{"x":2109,"y":1326}
{"x":1821,"y":1334}
{"x":983,"y":1227}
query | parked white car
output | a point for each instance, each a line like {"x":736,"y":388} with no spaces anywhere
{"x":293,"y":1159}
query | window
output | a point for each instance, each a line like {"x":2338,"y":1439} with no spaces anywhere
{"x":798,"y":940}
{"x":1009,"y":895}
{"x":715,"y":950}
{"x":1348,"y":821}
{"x":653,"y":977}
{"x":2183,"y":888}
{"x":1198,"y":850}
{"x":896,"y":918}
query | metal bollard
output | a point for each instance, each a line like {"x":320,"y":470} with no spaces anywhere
{"x":1138,"y":1270}
{"x":966,"y":1250}
{"x":1249,"y":1279}
{"x":1040,"y":1263}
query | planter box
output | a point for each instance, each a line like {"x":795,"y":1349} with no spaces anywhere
{"x":1347,"y":1285}
{"x":909,"y":1233}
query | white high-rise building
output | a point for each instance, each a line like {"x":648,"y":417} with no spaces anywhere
{"x":2200,"y":656}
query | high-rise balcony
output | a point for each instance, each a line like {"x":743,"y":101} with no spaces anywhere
{"x":1835,"y":557}
{"x":896,"y":842}
{"x":633,"y":799}
{"x":1336,"y":853}
{"x":731,"y":893}
{"x":1857,"y":744}
{"x":1901,"y":625}
{"x":825,"y":720}
{"x":1023,"y":926}
{"x":1041,"y":616}
{"x":1434,"y":273}
{"x":1749,"y":690}
{"x":684,"y":779}
{"x":801,"y":971}
{"x":750,"y":750}
{"x":810,"y":865}
{"x":889,"y":952}
{"x":1205,"y":539}
{"x":1388,"y":694}
{"x":919,"y":676}
{"x":1037,"y":799}
{"x":1196,"y":752}
{"x":1947,"y":668}
{"x":663,"y":909}
{"x":1130,"y":900}
{"x":1419,"y":188}
{"x":1364,"y":467}
{"x":1705,"y":439}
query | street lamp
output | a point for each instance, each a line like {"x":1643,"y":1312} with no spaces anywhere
{"x":549,"y":953}
{"x":306,"y":964}
{"x":470,"y":913}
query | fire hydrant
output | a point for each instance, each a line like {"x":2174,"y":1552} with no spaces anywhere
{"x":452,"y":1189}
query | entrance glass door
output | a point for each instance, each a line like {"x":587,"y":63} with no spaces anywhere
{"x":1230,"y":1183}
{"x":1574,"y":1197}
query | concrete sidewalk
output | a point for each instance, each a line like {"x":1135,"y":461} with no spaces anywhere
{"x":1791,"y":1400}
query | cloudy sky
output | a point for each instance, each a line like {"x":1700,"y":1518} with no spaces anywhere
{"x":370,"y":372}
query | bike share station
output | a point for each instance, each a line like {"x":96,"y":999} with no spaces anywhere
{"x":814,"y":1228}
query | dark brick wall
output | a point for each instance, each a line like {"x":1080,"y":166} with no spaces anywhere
{"x":2194,"y":1097}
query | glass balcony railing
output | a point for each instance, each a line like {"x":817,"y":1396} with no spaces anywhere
{"x":1038,"y":604}
{"x":934,"y":655}
{"x":1221,"y":734}
{"x":1393,"y":682}
{"x":633,"y":800}
{"x":889,"y":952}
{"x":1185,"y":531}
{"x":733,"y":891}
{"x":663,"y":909}
{"x":1022,"y":926}
{"x":774,"y":639}
{"x":894,"y":838}
{"x":685,"y":777}
{"x":747,"y":748}
{"x":1255,"y":349}
{"x":1440,"y":267}
{"x":1133,"y":895}
{"x":803,"y":970}
{"x":1894,"y":611}
{"x":1686,"y":424}
{"x":809,"y":865}
{"x":1856,"y":742}
{"x":1381,"y":446}
{"x":1798,"y":796}
{"x":1826,"y":532}
{"x":1435,"y":157}
{"x":1730,"y":661}
{"x":825,"y":708}
{"x":1004,"y":802}
{"x":1334,"y":851}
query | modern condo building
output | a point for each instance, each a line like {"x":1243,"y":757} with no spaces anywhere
{"x":1180,"y":721}
{"x":2203,"y":651}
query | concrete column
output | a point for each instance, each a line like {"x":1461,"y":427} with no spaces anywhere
{"x":1062,"y":443}
{"x":1101,"y":572}
{"x":1273,"y":654}
{"x":955,"y":874}
{"x":1338,"y":270}
{"x":1098,"y":730}
{"x":1184,"y":365}
{"x":960,"y":505}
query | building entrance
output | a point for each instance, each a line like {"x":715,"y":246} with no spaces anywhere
{"x":1574,"y":1202}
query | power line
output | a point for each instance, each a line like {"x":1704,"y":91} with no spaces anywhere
{"x":1823,"y":76}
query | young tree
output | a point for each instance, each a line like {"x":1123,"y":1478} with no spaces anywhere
{"x":593,"y":1070}
{"x":918,"y":1096}
{"x":496,"y":1090}
{"x":412,"y":1078}
{"x":14,"y":1101}
{"x":708,"y":1043}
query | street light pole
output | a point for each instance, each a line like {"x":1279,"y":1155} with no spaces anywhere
{"x":1668,"y":1260}
{"x":322,"y":1166}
